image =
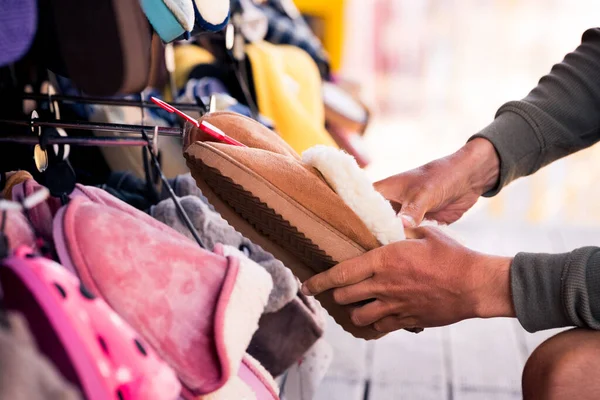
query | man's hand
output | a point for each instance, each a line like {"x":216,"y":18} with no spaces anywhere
{"x":425,"y":281}
{"x":444,"y":189}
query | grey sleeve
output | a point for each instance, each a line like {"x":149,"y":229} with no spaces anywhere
{"x":559,"y":117}
{"x":557,"y":290}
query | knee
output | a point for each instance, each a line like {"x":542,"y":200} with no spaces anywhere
{"x":564,"y":367}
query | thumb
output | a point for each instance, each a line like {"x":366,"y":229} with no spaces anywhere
{"x":392,"y":189}
{"x":412,"y":213}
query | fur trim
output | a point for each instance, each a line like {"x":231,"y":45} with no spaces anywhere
{"x":215,"y":12}
{"x":183,"y":11}
{"x":351,"y":183}
{"x":246,"y":304}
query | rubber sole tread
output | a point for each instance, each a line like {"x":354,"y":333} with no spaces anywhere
{"x":266,"y":220}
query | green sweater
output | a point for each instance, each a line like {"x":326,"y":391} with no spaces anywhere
{"x":559,"y":117}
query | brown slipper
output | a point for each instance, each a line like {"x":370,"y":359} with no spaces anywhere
{"x":105,"y":44}
{"x":344,"y":109}
{"x":289,"y":207}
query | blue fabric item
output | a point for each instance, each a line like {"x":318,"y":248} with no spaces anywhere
{"x":18,"y":24}
{"x":163,"y":21}
{"x":283,"y":29}
{"x":67,"y":88}
{"x":202,"y":26}
{"x":84,"y":111}
{"x":158,"y":113}
{"x":206,"y":87}
{"x":199,"y":88}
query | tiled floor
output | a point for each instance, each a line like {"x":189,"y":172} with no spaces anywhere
{"x":474,"y":359}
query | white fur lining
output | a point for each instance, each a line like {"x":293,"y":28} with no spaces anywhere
{"x":183,"y":11}
{"x":354,"y":187}
{"x":246,"y":304}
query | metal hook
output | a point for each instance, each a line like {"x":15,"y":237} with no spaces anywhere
{"x":182,"y":214}
{"x":106,"y":101}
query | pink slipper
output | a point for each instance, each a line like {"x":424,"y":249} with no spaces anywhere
{"x":252,"y":382}
{"x":91,"y":345}
{"x":198,"y":309}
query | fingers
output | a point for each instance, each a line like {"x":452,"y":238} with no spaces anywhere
{"x":361,"y":291}
{"x":394,"y":323}
{"x":411,"y":208}
{"x":370,"y":313}
{"x":390,"y":187}
{"x":413,"y":211}
{"x":346,"y":273}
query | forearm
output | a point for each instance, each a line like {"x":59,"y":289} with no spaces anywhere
{"x":559,"y":117}
{"x":552,"y":291}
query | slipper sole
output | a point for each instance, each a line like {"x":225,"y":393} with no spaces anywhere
{"x":249,"y":203}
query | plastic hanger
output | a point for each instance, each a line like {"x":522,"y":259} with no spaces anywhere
{"x":52,"y":160}
{"x":206,"y":127}
{"x":87,"y":126}
{"x":150,"y":173}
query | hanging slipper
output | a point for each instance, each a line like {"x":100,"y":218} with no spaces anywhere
{"x":213,"y":229}
{"x":288,"y":91}
{"x":94,"y":349}
{"x":291,"y":322}
{"x":171,"y":19}
{"x":210,"y":15}
{"x":284,"y":337}
{"x":311,"y":212}
{"x":105,"y":44}
{"x":344,"y":110}
{"x":198,"y":309}
{"x":347,"y":119}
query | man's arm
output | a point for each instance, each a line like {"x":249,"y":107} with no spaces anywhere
{"x":559,"y":117}
{"x":556,"y":290}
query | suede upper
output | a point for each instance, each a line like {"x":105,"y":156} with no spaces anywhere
{"x":272,"y":158}
{"x":301,"y":183}
{"x":213,"y":229}
{"x":241,"y":128}
{"x":268,"y":170}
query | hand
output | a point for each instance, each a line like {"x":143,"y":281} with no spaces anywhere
{"x":425,"y":281}
{"x":444,"y":189}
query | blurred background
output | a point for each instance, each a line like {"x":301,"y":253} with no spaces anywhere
{"x":434,"y":72}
